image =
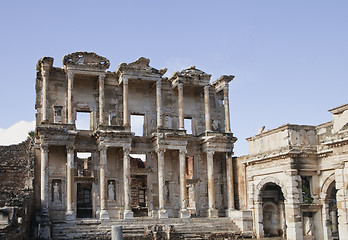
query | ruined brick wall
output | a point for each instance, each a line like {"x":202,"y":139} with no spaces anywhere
{"x":16,"y":176}
{"x":239,"y":180}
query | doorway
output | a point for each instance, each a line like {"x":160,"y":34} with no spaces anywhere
{"x":84,"y":200}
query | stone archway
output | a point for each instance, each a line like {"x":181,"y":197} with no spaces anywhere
{"x":270,"y":208}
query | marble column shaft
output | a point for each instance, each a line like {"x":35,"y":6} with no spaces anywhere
{"x":181,"y":105}
{"x":101,"y":98}
{"x":102,"y":179}
{"x":183,"y":193}
{"x":70,"y":183}
{"x":207,"y":108}
{"x":227,"y":109}
{"x":160,"y":168}
{"x":125,"y":103}
{"x":210,"y":170}
{"x":230,"y":187}
{"x":126,"y":179}
{"x":45,"y":75}
{"x":44,"y":178}
{"x":159,"y":102}
{"x":70,"y":97}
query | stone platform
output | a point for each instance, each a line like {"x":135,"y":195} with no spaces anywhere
{"x":149,"y":228}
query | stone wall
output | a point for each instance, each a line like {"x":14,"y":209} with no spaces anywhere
{"x":16,"y":176}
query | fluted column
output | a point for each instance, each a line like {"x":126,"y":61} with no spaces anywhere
{"x":125,"y":103}
{"x":183,"y":198}
{"x":44,"y":179}
{"x":101,"y":99}
{"x":230,"y":189}
{"x":159,"y":102}
{"x":207,"y":108}
{"x":212,"y":212}
{"x":162,"y":213}
{"x":102,"y":178}
{"x":70,"y":215}
{"x":181,"y":105}
{"x":127,"y":214}
{"x":227,"y":109}
{"x":70,"y":97}
{"x":45,"y":74}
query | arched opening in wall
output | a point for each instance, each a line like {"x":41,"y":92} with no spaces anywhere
{"x":273,"y":210}
{"x":332,"y":191}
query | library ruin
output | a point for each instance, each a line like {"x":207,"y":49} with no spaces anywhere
{"x":155,"y":155}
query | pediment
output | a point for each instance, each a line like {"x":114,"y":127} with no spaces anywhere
{"x":86,"y":59}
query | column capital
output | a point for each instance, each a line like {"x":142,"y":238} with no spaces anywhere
{"x":125,"y":80}
{"x":70,"y":74}
{"x":103,"y":149}
{"x":207,"y":87}
{"x":210,"y":151}
{"x":126,"y":150}
{"x":102,"y":76}
{"x":159,"y":82}
{"x":160,"y":150}
{"x":183,"y":151}
{"x":44,"y":147}
{"x":70,"y":149}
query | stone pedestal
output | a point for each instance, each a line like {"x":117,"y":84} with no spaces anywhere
{"x":184,"y":213}
{"x":162,"y":213}
{"x":213,"y":213}
{"x":128,"y":214}
{"x":104,"y":215}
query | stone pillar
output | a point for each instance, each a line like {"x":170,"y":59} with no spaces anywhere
{"x":183,"y":198}
{"x":162,"y":213}
{"x":294,"y":230}
{"x":70,"y":97}
{"x":127,"y":214}
{"x":159,"y":102}
{"x":70,"y":215}
{"x":342,"y":208}
{"x":181,"y":105}
{"x":326,"y":219}
{"x":227,"y":109}
{"x":125,"y":103}
{"x":207,"y":108}
{"x":44,"y":179}
{"x":102,"y":178}
{"x":45,"y":74}
{"x":212,"y":212}
{"x":229,"y":180}
{"x":101,"y":99}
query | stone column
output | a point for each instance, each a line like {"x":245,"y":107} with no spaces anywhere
{"x":127,"y":214}
{"x":45,"y":74}
{"x":183,"y":198}
{"x":207,"y":108}
{"x":125,"y":103}
{"x":102,"y":178}
{"x":342,"y":208}
{"x":70,"y":97}
{"x":181,"y":105}
{"x":159,"y":102}
{"x":212,"y":212}
{"x":44,"y":179}
{"x":230,"y":189}
{"x":227,"y":109}
{"x":70,"y":215}
{"x":162,"y":213}
{"x":101,"y":99}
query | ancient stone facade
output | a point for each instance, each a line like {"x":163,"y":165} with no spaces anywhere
{"x":86,"y":173}
{"x":295,"y":180}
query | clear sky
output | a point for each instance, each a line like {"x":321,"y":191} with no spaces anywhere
{"x":290,"y":58}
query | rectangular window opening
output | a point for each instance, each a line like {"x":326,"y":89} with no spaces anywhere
{"x":188,"y":125}
{"x":83,"y":120}
{"x":189,"y":167}
{"x":137,"y":124}
{"x":84,"y":161}
{"x":138,"y":160}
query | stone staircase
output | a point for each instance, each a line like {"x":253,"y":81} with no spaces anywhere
{"x":148,"y":228}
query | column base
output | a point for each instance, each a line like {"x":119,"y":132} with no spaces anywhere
{"x":184,"y":213}
{"x":212,"y":213}
{"x":162,"y":213}
{"x":128,"y":214}
{"x":229,"y":212}
{"x":70,"y":216}
{"x":104,"y":215}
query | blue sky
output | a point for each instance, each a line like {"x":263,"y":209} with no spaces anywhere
{"x":290,"y":58}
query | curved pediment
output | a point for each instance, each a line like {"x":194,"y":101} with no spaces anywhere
{"x":86,"y":59}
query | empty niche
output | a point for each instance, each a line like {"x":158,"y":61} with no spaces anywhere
{"x":188,"y":125}
{"x":137,"y":124}
{"x":84,"y":161}
{"x":83,"y":120}
{"x":57,"y":114}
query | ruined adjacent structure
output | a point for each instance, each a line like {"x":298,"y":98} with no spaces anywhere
{"x":86,"y":172}
{"x":296,"y":180}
